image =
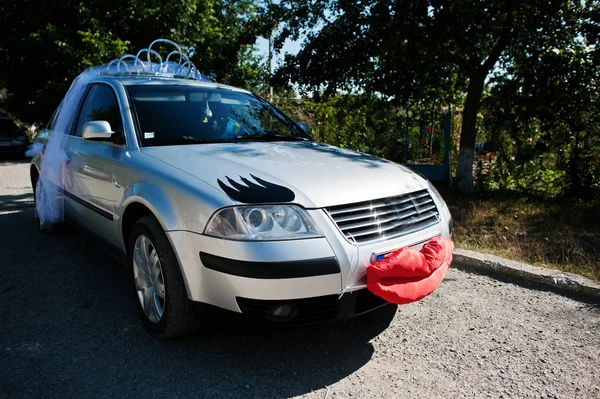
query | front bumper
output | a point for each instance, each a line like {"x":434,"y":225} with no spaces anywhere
{"x":253,"y":277}
{"x":308,"y":311}
{"x":216,"y":287}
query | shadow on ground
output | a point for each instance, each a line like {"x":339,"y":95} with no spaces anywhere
{"x":70,"y":328}
{"x":12,"y":159}
{"x":16,"y":201}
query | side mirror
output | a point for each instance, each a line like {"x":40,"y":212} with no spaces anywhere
{"x":97,"y":130}
{"x":305,"y":126}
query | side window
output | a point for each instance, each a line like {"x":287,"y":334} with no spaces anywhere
{"x":100,"y":104}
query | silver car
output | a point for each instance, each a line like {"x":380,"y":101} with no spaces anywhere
{"x":217,"y":199}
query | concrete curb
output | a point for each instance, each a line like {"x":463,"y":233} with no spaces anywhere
{"x":494,"y":265}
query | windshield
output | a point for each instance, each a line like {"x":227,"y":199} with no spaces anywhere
{"x":172,"y":115}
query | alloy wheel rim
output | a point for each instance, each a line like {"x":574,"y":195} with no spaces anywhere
{"x":148,"y":278}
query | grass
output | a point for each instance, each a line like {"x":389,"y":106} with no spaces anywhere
{"x":557,"y":234}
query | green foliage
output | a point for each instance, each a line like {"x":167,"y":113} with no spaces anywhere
{"x":426,"y":136}
{"x":372,"y":125}
{"x":538,"y":176}
{"x":546,"y":112}
{"x":426,"y":49}
{"x":363,"y":123}
{"x":44,"y":45}
{"x":363,"y":63}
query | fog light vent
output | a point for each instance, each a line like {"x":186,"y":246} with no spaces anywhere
{"x":300,"y":312}
{"x":283,"y":312}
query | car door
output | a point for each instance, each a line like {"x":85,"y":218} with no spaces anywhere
{"x":89,"y":185}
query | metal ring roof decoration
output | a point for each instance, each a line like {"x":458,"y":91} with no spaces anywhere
{"x":138,"y":65}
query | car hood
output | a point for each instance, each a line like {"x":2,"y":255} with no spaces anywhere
{"x":311,"y":174}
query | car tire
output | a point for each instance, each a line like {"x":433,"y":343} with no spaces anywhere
{"x":168,"y":316}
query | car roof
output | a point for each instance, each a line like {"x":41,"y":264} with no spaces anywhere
{"x":147,"y":80}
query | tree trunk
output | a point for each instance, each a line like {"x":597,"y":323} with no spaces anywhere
{"x":464,"y":172}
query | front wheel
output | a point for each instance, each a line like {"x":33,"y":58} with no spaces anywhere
{"x":162,"y":302}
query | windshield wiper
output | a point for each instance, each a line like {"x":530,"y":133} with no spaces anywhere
{"x":268,"y":137}
{"x":187,"y":140}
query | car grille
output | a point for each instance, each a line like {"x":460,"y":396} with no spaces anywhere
{"x":386,"y":218}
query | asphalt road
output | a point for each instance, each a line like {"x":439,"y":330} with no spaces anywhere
{"x":69,"y":329}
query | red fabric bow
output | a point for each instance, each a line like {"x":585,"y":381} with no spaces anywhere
{"x":407,"y":275}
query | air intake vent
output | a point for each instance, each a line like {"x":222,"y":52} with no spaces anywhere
{"x":310,"y":311}
{"x":387,"y":218}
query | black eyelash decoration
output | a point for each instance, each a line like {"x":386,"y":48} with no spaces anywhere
{"x":252,"y":193}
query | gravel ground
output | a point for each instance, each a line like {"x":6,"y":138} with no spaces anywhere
{"x":15,"y":185}
{"x":69,"y":329}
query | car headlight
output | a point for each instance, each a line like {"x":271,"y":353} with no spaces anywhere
{"x":436,"y":194}
{"x":442,"y":204}
{"x":262,"y":222}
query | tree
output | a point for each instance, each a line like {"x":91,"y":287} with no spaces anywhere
{"x":44,"y":45}
{"x":554,"y":82}
{"x":413,"y":49}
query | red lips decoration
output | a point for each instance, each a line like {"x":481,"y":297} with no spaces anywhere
{"x":407,"y":275}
